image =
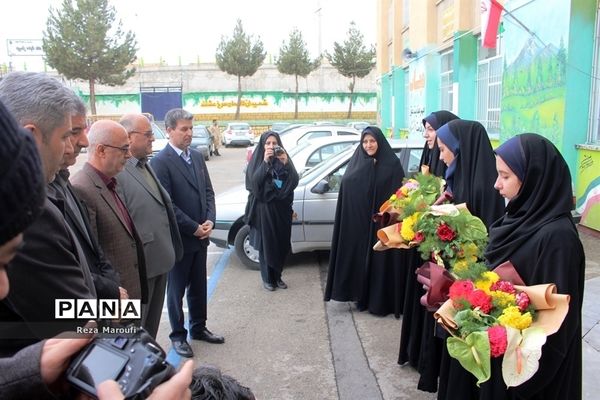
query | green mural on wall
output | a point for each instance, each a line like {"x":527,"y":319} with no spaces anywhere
{"x":533,"y":83}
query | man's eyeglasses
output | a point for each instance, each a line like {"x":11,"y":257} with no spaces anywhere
{"x":148,"y":134}
{"x":124,"y":149}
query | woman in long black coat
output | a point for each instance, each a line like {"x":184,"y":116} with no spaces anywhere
{"x":270,"y":180}
{"x":412,"y":332}
{"x":466,"y":149}
{"x":357,"y":272}
{"x":538,"y":236}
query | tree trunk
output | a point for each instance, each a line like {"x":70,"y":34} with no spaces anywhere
{"x":351,"y":86}
{"x":239,"y":102}
{"x":296,"y":105}
{"x":92,"y":97}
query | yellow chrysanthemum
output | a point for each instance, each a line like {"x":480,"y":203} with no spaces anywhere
{"x":407,"y":232}
{"x":471,"y":251}
{"x":461,"y":266}
{"x":487,"y":279}
{"x":503,"y":299}
{"x":511,"y":316}
{"x":404,"y":190}
{"x":393,"y":197}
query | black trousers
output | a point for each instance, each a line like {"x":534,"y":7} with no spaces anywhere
{"x":188,"y":274}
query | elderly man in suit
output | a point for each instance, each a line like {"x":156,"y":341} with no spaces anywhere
{"x":183,"y":174}
{"x":110,"y":220}
{"x":50,"y":265}
{"x":152,"y":211}
{"x":106,"y":279}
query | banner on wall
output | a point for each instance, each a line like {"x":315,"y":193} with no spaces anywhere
{"x":491,"y":10}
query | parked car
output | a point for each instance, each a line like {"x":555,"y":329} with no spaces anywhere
{"x":279,"y":126}
{"x":359,"y":125}
{"x":301,"y":134}
{"x":160,"y":139}
{"x":315,"y":200}
{"x":201,"y":140}
{"x":238,"y":133}
{"x":310,"y":153}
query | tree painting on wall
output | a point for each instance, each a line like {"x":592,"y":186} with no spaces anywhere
{"x":533,"y":83}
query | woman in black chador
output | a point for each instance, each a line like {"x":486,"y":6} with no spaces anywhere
{"x":431,"y":151}
{"x":413,"y":313}
{"x":538,"y":236}
{"x":270,"y":180}
{"x":356,"y":271}
{"x":466,"y":150}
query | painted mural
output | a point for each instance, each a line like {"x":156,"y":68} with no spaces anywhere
{"x":416,"y":96}
{"x":252,"y":102}
{"x":588,"y":188}
{"x":533,"y":84}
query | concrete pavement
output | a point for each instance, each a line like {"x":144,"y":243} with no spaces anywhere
{"x":591,"y":315}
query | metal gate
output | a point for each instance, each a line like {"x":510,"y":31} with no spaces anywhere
{"x":157,"y":100}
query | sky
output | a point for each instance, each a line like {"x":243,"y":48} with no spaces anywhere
{"x":191,"y":30}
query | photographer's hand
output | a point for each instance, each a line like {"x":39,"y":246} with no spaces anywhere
{"x":56,"y":355}
{"x":178,"y":387}
{"x":283,"y":157}
{"x":268,"y":155}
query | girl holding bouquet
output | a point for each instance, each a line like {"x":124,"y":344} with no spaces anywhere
{"x":539,"y":237}
{"x":466,"y":150}
{"x":357,"y":272}
{"x":412,"y":349}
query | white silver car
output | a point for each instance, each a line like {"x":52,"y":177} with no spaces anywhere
{"x":238,"y":133}
{"x":310,"y":153}
{"x":315,"y":200}
{"x":299,"y":135}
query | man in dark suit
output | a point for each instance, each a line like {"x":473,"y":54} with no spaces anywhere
{"x":106,"y":279}
{"x":110,"y":221}
{"x":152,"y":211}
{"x":51,"y":264}
{"x":183,"y":174}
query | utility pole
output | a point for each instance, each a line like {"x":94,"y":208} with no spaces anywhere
{"x":318,"y":12}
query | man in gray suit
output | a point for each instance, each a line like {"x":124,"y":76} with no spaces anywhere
{"x":109,"y":219}
{"x":151,"y":208}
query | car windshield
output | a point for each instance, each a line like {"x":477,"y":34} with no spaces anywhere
{"x":298,"y":149}
{"x":308,"y":175}
{"x":240,"y":127}
{"x":158,"y":133}
{"x":199,"y":131}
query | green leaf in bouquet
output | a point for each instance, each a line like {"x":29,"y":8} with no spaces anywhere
{"x":473,"y":353}
{"x":523,"y":352}
{"x":471,"y":321}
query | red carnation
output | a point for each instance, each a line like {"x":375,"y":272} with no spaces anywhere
{"x":479,"y":298}
{"x":419,"y":237}
{"x":459,"y":293}
{"x":498,"y":340}
{"x":445,"y":233}
{"x":504,"y":286}
{"x":399,"y":193}
{"x":522,"y":301}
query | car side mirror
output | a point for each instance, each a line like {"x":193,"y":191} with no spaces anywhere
{"x":321,"y":187}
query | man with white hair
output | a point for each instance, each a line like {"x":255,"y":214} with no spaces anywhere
{"x":109,"y":218}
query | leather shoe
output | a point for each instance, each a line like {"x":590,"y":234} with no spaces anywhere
{"x":281,"y":284}
{"x":269,"y":286}
{"x":207,"y":336}
{"x":183,"y":348}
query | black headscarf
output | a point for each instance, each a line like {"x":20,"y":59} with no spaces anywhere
{"x":545,"y":194}
{"x":472,"y":175}
{"x":431,"y":157}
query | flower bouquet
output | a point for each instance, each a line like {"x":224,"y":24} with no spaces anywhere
{"x":494,"y":315}
{"x":399,"y":214}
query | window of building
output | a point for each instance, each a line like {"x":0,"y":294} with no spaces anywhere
{"x":489,"y":86}
{"x":594,"y":129}
{"x":446,"y":100}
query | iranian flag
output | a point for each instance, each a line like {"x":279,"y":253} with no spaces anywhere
{"x":490,"y":19}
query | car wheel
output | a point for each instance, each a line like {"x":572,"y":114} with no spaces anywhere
{"x":247,"y":254}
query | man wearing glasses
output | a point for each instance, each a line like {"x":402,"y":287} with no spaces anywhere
{"x":109,"y":218}
{"x":151,"y":209}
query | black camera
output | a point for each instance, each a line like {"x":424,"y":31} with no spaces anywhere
{"x":135,"y":361}
{"x":278,"y":150}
